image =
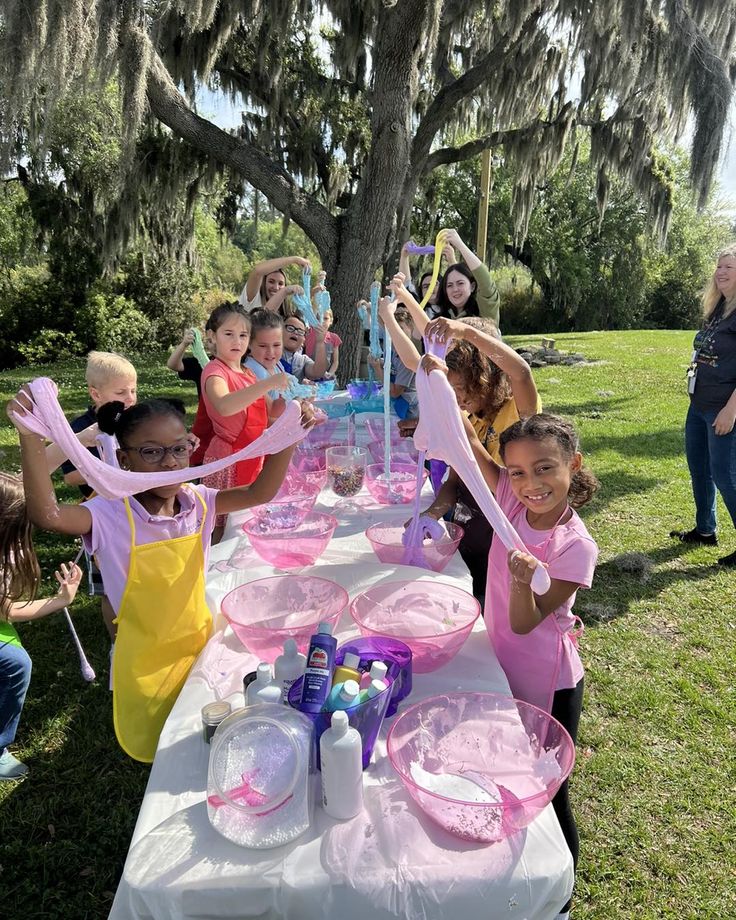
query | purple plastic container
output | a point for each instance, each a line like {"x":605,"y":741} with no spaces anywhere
{"x":394,"y":653}
{"x":366,"y":717}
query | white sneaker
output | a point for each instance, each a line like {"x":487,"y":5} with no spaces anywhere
{"x":11,"y":767}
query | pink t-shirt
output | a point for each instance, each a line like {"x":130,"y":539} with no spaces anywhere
{"x":570,"y":553}
{"x":109,"y":539}
{"x":332,"y":341}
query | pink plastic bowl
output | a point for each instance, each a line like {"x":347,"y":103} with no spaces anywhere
{"x":292,"y":503}
{"x":325,"y":434}
{"x":310,"y":464}
{"x":398,"y":489}
{"x":376,"y":429}
{"x":434,"y":619}
{"x":266,"y":612}
{"x":434,"y":554}
{"x":481,"y":765}
{"x":292,"y":549}
{"x":402,"y":450}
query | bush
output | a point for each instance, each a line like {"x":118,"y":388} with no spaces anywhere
{"x":118,"y":324}
{"x":50,"y":345}
{"x":522,"y":310}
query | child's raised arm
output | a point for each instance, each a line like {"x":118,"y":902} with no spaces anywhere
{"x":226,"y":403}
{"x":175,"y":362}
{"x":403,"y":345}
{"x":69,"y":578}
{"x":261,"y":269}
{"x":402,"y":294}
{"x":43,"y":508}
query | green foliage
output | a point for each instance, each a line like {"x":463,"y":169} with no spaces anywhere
{"x":17,"y":230}
{"x":219,"y":261}
{"x":272,"y":238}
{"x":48,"y":345}
{"x":118,"y":325}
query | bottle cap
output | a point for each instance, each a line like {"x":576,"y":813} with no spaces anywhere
{"x":378,"y":670}
{"x":290,"y":648}
{"x":376,"y":687}
{"x":350,"y":690}
{"x":339,"y":722}
{"x":351,"y":660}
{"x":325,"y":629}
{"x":264,"y":673}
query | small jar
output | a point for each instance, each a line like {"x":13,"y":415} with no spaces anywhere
{"x":212,"y":715}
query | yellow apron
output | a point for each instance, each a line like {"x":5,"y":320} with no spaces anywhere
{"x":164,"y":623}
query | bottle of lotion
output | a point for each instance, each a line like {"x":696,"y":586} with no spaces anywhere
{"x":378,"y":671}
{"x":264,"y":676}
{"x":348,"y":670}
{"x":341,"y":758}
{"x":288,"y":668}
{"x":343,"y":696}
{"x":318,"y":673}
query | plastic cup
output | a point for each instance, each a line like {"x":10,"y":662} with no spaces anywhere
{"x":396,"y":654}
{"x":346,"y":470}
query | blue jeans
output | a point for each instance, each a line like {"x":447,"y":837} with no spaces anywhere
{"x":711,"y":459}
{"x":15,"y":675}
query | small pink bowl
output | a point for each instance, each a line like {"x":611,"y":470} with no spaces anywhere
{"x":267,"y":612}
{"x":481,"y":765}
{"x":310,"y":464}
{"x":292,"y":549}
{"x":433,"y":554}
{"x":434,"y":619}
{"x":292,"y":503}
{"x":398,"y":489}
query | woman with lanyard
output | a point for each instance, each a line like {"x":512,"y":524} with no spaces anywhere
{"x":710,"y":439}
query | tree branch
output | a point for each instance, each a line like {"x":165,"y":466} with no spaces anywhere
{"x":170,"y":107}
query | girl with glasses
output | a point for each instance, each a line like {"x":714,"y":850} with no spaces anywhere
{"x":152,"y":551}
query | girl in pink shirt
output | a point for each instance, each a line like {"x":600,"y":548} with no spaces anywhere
{"x":534,"y":637}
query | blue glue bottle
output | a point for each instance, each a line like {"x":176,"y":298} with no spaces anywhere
{"x":318,"y":672}
{"x":343,"y":696}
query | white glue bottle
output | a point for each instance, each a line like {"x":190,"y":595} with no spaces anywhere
{"x":269,"y":694}
{"x":288,"y":668}
{"x":264,"y":676}
{"x":341,"y":757}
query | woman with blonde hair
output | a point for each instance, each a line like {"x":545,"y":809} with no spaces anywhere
{"x":710,"y":438}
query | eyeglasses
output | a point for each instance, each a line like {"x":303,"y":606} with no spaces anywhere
{"x":294,"y":330}
{"x":154,"y":455}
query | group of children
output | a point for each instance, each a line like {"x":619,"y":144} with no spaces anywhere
{"x":151,"y":548}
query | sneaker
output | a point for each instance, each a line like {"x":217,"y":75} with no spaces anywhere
{"x":694,"y":536}
{"x":11,"y":767}
{"x":728,"y":560}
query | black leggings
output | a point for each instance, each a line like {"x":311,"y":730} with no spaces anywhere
{"x":566,"y":708}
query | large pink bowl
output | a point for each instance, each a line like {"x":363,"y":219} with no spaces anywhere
{"x":292,"y":549}
{"x":434,"y":619}
{"x":402,"y":450}
{"x":310,"y":464}
{"x":434,"y":554}
{"x":377,"y":431}
{"x":267,"y":612}
{"x":399,"y":488}
{"x":291,"y":504}
{"x":481,"y":765}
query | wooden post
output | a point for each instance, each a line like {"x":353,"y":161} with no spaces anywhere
{"x":485,"y":185}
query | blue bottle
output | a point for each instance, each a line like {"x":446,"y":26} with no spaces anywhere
{"x":318,"y":673}
{"x":343,"y":696}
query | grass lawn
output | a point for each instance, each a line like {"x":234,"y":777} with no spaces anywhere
{"x":655,"y":783}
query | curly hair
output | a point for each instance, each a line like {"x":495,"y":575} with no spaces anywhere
{"x":542,"y":427}
{"x":480,"y":374}
{"x":19,"y":569}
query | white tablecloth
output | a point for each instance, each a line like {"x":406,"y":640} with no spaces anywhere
{"x":179,"y":866}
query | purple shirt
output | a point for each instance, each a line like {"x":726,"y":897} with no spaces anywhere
{"x":109,"y":539}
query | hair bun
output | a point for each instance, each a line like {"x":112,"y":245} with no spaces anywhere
{"x":109,"y":415}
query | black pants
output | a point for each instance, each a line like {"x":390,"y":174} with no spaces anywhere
{"x":566,"y":708}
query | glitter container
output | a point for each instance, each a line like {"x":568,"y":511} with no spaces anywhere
{"x":212,"y":715}
{"x":259,"y":783}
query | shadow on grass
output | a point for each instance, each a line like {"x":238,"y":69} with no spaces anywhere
{"x":615,"y":589}
{"x":667,"y":443}
{"x":615,"y":485}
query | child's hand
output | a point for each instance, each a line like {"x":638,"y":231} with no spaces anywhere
{"x":280,"y":381}
{"x":305,"y":263}
{"x":321,"y":276}
{"x":522,"y":566}
{"x":375,"y":363}
{"x":397,"y":286}
{"x":407,"y":427}
{"x":69,"y":579}
{"x":453,"y":239}
{"x":294,"y":289}
{"x":188,"y":338}
{"x":88,"y":436}
{"x":431,"y":363}
{"x":320,"y":332}
{"x":308,"y":419}
{"x":22,"y":403}
{"x":278,"y":407}
{"x":442,"y":329}
{"x":193,"y":441}
{"x":386,"y":307}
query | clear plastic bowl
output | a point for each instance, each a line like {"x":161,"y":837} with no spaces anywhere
{"x":325,"y":434}
{"x":481,"y":765}
{"x":266,"y":612}
{"x":362,"y":389}
{"x":376,"y":429}
{"x":291,"y":504}
{"x":386,"y":540}
{"x":310,"y":464}
{"x":434,"y":619}
{"x":402,"y":450}
{"x":325,"y":388}
{"x":399,"y":488}
{"x":295,"y":548}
